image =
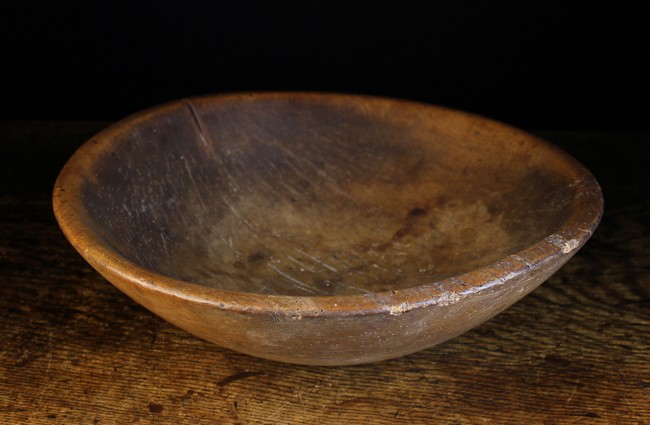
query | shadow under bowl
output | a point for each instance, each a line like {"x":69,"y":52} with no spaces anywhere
{"x":323,"y":229}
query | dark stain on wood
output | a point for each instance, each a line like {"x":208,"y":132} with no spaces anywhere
{"x":256,"y":257}
{"x":417,"y":212}
{"x":237,"y":376}
{"x":156,"y":408}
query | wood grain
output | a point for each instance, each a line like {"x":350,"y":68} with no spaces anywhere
{"x":76,"y":350}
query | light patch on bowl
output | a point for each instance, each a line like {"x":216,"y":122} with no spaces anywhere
{"x":565,"y":245}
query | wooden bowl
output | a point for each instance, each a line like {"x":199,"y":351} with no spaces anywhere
{"x":323,"y":229}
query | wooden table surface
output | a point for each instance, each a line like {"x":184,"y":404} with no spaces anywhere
{"x":76,"y":350}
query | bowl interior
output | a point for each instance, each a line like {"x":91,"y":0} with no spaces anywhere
{"x":320,"y":195}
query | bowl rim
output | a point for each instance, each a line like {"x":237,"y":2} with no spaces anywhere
{"x":585,"y":213}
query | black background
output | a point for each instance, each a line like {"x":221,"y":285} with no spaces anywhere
{"x":537,"y":65}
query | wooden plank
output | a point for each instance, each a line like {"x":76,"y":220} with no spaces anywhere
{"x":76,"y":350}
